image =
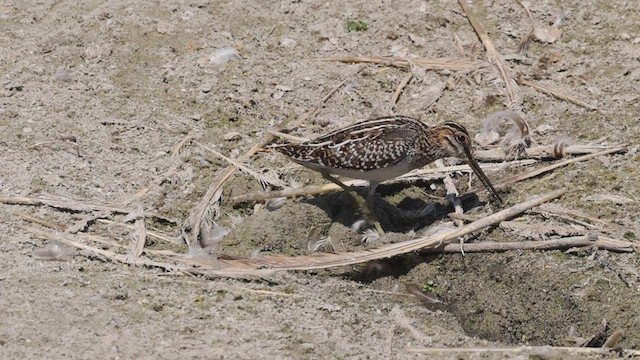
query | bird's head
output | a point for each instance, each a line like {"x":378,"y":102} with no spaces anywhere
{"x":455,"y":140}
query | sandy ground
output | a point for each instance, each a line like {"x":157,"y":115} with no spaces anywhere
{"x":95,"y":95}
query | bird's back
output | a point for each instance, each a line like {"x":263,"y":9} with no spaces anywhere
{"x":370,"y":145}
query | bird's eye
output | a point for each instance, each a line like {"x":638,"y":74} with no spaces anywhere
{"x":461,"y":138}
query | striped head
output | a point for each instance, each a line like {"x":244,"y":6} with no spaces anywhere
{"x":454,"y":139}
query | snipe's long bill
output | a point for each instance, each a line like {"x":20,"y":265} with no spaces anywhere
{"x":380,"y":149}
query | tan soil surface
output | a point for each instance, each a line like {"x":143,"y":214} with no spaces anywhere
{"x":95,"y":95}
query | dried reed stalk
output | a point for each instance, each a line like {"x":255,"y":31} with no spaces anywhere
{"x":556,"y":93}
{"x":399,"y":90}
{"x":536,"y":172}
{"x":554,"y":244}
{"x":432,"y":64}
{"x":60,"y":202}
{"x":559,"y":352}
{"x":494,"y":56}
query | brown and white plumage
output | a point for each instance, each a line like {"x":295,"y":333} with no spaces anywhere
{"x":380,"y":149}
{"x":384,"y":148}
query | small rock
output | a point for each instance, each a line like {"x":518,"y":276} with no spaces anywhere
{"x":97,"y":52}
{"x":547,"y":34}
{"x":223,"y":55}
{"x":62,"y":75}
{"x":165,"y":27}
{"x":288,"y":43}
{"x":544,"y":129}
{"x":616,"y":199}
{"x":275,"y":204}
{"x":232,"y":136}
{"x":417,"y":40}
{"x":206,"y":88}
{"x":284,"y":88}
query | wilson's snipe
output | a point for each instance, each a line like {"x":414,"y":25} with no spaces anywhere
{"x":380,"y":149}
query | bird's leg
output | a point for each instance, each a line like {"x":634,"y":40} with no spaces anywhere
{"x":365,"y":206}
{"x":371,"y":205}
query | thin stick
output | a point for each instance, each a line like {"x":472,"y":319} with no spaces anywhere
{"x":70,"y":240}
{"x":453,"y":191}
{"x":61,"y":203}
{"x":138,"y":237}
{"x":559,"y":210}
{"x":264,"y":292}
{"x":399,"y":90}
{"x":562,"y":243}
{"x":288,"y":137}
{"x":239,"y":165}
{"x":39,"y":221}
{"x":151,"y":233}
{"x":526,"y":349}
{"x":493,"y":54}
{"x":544,"y":151}
{"x":536,"y":172}
{"x":423,"y":174}
{"x":556,"y":93}
{"x":433,"y":64}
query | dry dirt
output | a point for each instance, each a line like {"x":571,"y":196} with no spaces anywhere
{"x":95,"y":95}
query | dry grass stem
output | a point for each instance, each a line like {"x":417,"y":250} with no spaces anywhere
{"x":560,"y":352}
{"x":556,"y":93}
{"x":242,"y":167}
{"x":60,"y":202}
{"x":151,"y":233}
{"x":554,"y":244}
{"x":288,"y":137}
{"x":543,"y":152}
{"x":438,"y":173}
{"x":266,"y":292}
{"x":138,"y":236}
{"x":403,"y":321}
{"x":452,"y":192}
{"x":523,"y":47}
{"x":533,"y":173}
{"x":494,"y":56}
{"x":396,"y":95}
{"x":72,"y":241}
{"x":177,"y":150}
{"x":432,"y":64}
{"x":100,"y":240}
{"x":559,"y":210}
{"x":40,"y":221}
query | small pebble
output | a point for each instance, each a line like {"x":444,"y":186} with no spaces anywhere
{"x":232,"y":136}
{"x":223,"y":55}
{"x":289,"y":43}
{"x":62,"y":75}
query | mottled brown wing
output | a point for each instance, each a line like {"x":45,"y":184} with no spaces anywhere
{"x":368,"y":145}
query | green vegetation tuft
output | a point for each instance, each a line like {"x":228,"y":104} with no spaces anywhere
{"x":430,"y":286}
{"x":356,"y":25}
